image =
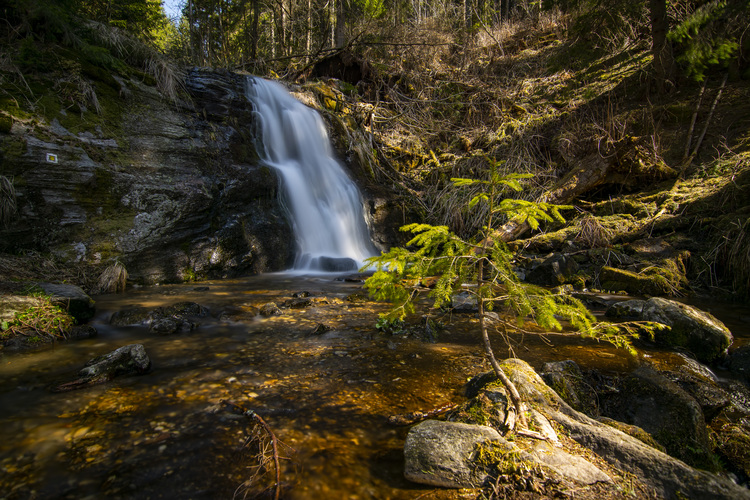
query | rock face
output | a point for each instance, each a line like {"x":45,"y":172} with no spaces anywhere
{"x":172,"y":190}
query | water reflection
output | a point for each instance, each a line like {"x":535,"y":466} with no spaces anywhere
{"x":166,"y":434}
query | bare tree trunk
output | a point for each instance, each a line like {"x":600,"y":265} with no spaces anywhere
{"x":663,"y":63}
{"x":256,"y":16}
{"x":308,"y":37}
{"x":341,"y":11}
{"x":515,"y":397}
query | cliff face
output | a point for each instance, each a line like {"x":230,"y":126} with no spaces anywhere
{"x":172,"y":190}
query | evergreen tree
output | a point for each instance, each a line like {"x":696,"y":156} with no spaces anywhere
{"x":487,"y":264}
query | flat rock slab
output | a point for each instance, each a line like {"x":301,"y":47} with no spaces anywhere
{"x":440,"y":453}
{"x":569,"y":466}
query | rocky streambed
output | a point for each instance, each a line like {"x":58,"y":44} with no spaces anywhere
{"x":305,"y":355}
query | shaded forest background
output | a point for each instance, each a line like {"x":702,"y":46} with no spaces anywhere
{"x":636,"y":112}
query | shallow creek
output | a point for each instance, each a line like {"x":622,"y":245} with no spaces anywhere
{"x":327,"y":397}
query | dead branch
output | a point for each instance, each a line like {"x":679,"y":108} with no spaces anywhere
{"x":274,"y":440}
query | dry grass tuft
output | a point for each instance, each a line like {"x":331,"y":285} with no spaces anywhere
{"x":592,"y":234}
{"x":112,"y":280}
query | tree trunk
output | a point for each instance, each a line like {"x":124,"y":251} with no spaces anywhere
{"x":663,"y":63}
{"x":341,"y":11}
{"x":256,"y":16}
{"x":515,"y":398}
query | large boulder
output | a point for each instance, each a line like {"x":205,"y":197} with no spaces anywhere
{"x":697,"y":331}
{"x":669,"y":477}
{"x":442,"y":453}
{"x":657,"y":405}
{"x":72,"y":299}
{"x":690,"y":328}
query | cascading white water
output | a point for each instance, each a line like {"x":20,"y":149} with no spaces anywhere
{"x":324,"y":203}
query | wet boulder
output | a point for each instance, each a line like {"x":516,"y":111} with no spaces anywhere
{"x":270,"y":309}
{"x":124,"y":361}
{"x":178,"y":317}
{"x":690,"y":328}
{"x":336,"y":264}
{"x":72,"y":299}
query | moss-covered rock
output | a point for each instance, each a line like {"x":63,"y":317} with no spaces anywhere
{"x":617,"y":280}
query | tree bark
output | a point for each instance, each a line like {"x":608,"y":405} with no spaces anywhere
{"x":663,"y":62}
{"x":513,"y":394}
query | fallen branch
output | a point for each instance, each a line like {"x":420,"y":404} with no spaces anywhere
{"x":274,"y":440}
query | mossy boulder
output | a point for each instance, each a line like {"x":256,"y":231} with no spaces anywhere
{"x":633,"y":283}
{"x":441,"y":453}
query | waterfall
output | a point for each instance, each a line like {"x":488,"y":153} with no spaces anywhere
{"x":324,"y":203}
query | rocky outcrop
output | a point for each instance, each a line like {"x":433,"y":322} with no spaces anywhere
{"x":174,"y":191}
{"x":669,"y":477}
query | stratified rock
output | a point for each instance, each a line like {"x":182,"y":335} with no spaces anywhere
{"x":72,"y":299}
{"x":440,"y":453}
{"x":697,"y":331}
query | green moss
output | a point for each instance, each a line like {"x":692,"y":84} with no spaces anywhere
{"x":6,"y":123}
{"x":618,"y":280}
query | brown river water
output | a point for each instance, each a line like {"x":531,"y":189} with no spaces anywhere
{"x":326,"y":397}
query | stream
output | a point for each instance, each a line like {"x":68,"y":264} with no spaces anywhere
{"x":327,"y":397}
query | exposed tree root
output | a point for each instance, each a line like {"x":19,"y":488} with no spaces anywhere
{"x":244,"y":488}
